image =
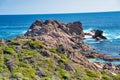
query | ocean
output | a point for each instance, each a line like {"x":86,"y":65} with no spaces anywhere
{"x":14,"y":25}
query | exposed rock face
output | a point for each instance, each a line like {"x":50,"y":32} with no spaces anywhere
{"x":96,"y":34}
{"x":101,"y":56}
{"x":53,"y":31}
{"x":67,"y":38}
{"x":68,"y":67}
{"x":99,"y":35}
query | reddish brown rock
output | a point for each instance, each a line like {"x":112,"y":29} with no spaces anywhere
{"x":53,"y":31}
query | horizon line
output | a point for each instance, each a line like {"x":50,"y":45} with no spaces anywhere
{"x":58,"y":13}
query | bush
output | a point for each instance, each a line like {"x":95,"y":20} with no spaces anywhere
{"x":9,"y":51}
{"x":36,"y":44}
{"x":91,"y":73}
{"x":63,"y":56}
{"x":27,"y":53}
{"x":27,"y":72}
{"x":63,"y":74}
{"x":53,"y":50}
{"x":116,"y":77}
{"x":22,"y":64}
{"x":105,"y":77}
{"x":87,"y":78}
{"x":1,"y":51}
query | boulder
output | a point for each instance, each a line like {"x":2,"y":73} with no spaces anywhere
{"x":69,"y":67}
{"x":40,"y":73}
{"x":109,"y":66}
{"x":99,"y":35}
{"x":61,"y":49}
{"x":46,"y":53}
{"x":18,"y":49}
{"x":11,"y":64}
{"x":96,"y":34}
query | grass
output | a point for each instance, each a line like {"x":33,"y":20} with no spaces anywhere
{"x":63,"y":74}
{"x":53,"y":50}
{"x":27,"y":53}
{"x":26,"y":72}
{"x":36,"y":44}
{"x":90,"y":73}
{"x":9,"y":50}
{"x":29,"y":60}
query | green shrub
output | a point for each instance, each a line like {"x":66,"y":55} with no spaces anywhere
{"x":63,"y":56}
{"x":22,"y":64}
{"x":116,"y":77}
{"x":1,"y":69}
{"x":53,"y":50}
{"x":60,"y":61}
{"x":1,"y":51}
{"x":9,"y":51}
{"x":105,"y":77}
{"x":91,"y":73}
{"x":63,"y":74}
{"x":36,"y":44}
{"x":27,"y":53}
{"x":103,"y":72}
{"x":20,"y":56}
{"x":27,"y":72}
{"x":1,"y":60}
{"x":87,"y":78}
{"x":17,"y":75}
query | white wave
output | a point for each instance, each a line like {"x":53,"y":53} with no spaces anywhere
{"x":24,"y":32}
{"x":87,"y":30}
{"x":87,"y":36}
{"x":118,"y":37}
{"x":109,"y":34}
{"x":93,"y":42}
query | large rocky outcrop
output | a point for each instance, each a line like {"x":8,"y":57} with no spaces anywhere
{"x":53,"y":31}
{"x":67,"y":38}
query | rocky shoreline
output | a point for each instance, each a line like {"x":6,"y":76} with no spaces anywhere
{"x":71,"y":36}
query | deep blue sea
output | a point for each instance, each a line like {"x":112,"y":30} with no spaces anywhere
{"x":14,"y":25}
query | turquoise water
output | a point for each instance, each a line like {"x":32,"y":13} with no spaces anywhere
{"x":14,"y":25}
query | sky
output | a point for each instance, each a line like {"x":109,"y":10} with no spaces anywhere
{"x":57,"y":6}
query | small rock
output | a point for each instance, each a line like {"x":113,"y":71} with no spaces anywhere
{"x":68,"y":67}
{"x":18,"y":48}
{"x":40,"y":73}
{"x":11,"y":65}
{"x":46,"y":53}
{"x":61,"y":49}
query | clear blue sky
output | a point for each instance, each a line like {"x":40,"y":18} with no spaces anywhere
{"x":57,"y":6}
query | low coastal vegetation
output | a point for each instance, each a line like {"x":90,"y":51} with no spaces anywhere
{"x":27,"y":62}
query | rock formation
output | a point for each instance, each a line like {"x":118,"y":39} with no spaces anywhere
{"x":96,"y":34}
{"x":53,"y":31}
{"x":66,"y":37}
{"x":68,"y":40}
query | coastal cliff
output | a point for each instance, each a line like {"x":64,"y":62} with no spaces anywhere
{"x":50,"y":50}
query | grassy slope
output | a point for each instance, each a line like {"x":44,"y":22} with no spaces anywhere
{"x":22,"y":58}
